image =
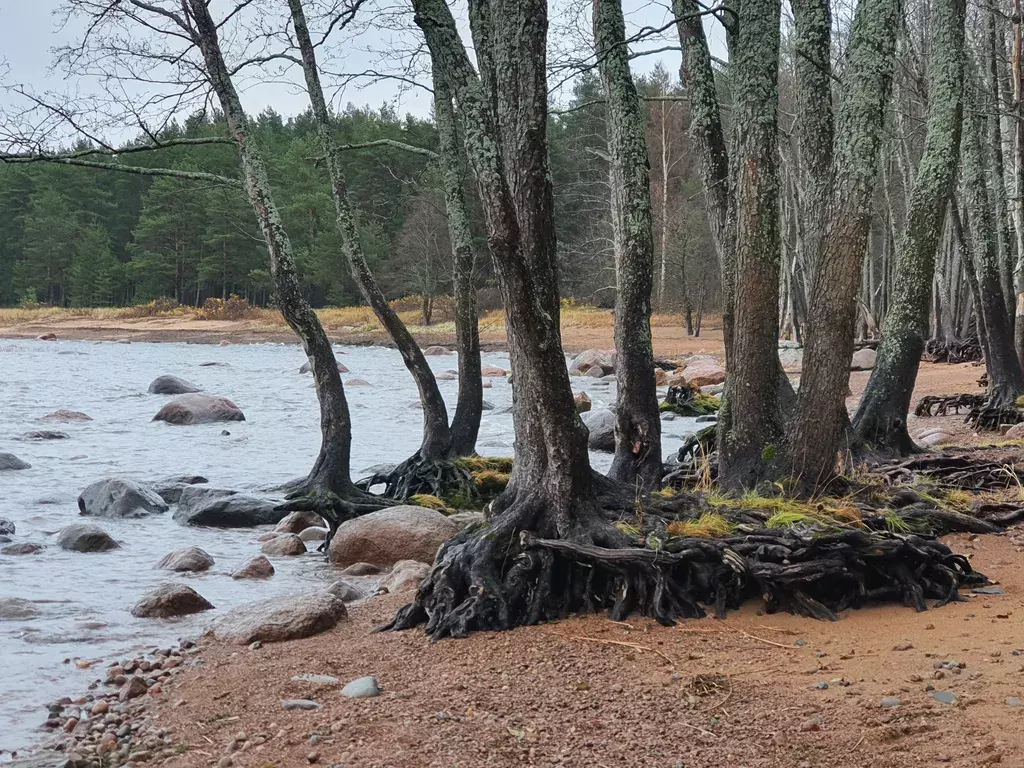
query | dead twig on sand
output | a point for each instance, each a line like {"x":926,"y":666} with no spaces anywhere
{"x":623,"y":643}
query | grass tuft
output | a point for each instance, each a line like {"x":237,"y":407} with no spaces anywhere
{"x":709,"y":525}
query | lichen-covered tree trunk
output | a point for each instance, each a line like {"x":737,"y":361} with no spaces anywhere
{"x":880,"y":423}
{"x":436,"y":443}
{"x":1005,"y":380}
{"x":817,"y":423}
{"x":469,"y":406}
{"x":813,"y":123}
{"x":637,"y":459}
{"x":331,"y":471}
{"x":749,"y":449}
{"x":1004,"y":244}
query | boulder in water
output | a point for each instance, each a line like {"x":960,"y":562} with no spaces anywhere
{"x":255,"y":567}
{"x":47,"y":337}
{"x":593,"y":358}
{"x":85,"y":538}
{"x":436,"y":351}
{"x":170,"y":600}
{"x":170,"y":489}
{"x":704,"y":373}
{"x":119,"y":498}
{"x":306,"y":368}
{"x":199,"y":409}
{"x":10,"y":461}
{"x":297,"y":522}
{"x":7,"y":527}
{"x":601,"y":424}
{"x":582,"y":401}
{"x":392,"y":534}
{"x":219,"y":508}
{"x":172,"y":385}
{"x":281,"y":618}
{"x":346,"y":591}
{"x":188,"y":560}
{"x":285,"y":545}
{"x":314,"y":534}
{"x":65,"y":416}
{"x":446,"y":376}
{"x":488,"y":371}
{"x":357,"y":383}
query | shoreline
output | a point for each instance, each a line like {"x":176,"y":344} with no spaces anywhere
{"x":747,"y":690}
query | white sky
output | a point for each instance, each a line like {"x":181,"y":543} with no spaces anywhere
{"x":29,"y":32}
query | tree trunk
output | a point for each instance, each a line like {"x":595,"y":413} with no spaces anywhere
{"x":813,"y":123}
{"x":881,"y":419}
{"x":751,"y":443}
{"x":1005,"y":380}
{"x":820,"y":418}
{"x":637,"y":458}
{"x":469,"y":407}
{"x":331,"y":470}
{"x":993,"y":106}
{"x":436,"y":444}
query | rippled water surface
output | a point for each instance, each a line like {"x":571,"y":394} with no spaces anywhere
{"x":85,"y":599}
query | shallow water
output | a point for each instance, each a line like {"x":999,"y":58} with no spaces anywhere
{"x":85,"y":598}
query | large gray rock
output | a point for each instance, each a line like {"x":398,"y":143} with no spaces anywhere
{"x":17,"y":609}
{"x":601,"y":423}
{"x":863,"y":359}
{"x":170,"y":489}
{"x":285,"y":545}
{"x":85,"y":538}
{"x":281,"y":618}
{"x":188,"y":560}
{"x":604,"y":359}
{"x":362,"y":688}
{"x":10,"y":461}
{"x":220,"y":508}
{"x":170,"y":600}
{"x":347,"y":591}
{"x":172,"y":385}
{"x":118,"y":498}
{"x":397,"y":533}
{"x":199,"y":409}
{"x":7,"y":527}
{"x":255,"y":567}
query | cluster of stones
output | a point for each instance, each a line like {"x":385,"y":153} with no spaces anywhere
{"x":114,"y":728}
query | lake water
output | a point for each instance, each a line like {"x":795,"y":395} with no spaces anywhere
{"x":85,"y":598}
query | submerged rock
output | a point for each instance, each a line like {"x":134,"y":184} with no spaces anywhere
{"x":22,"y":548}
{"x":85,"y":538}
{"x":603,"y":359}
{"x":199,"y":409}
{"x":170,"y":489}
{"x":7,"y":527}
{"x":170,"y":600}
{"x":10,"y":461}
{"x":17,"y":609}
{"x":255,"y":567}
{"x":280,"y":619}
{"x":221,"y":508}
{"x":45,"y":434}
{"x":119,"y":498}
{"x":437,"y":351}
{"x":172,"y":385}
{"x":188,"y":560}
{"x":65,"y":416}
{"x":306,"y":368}
{"x":396,"y":533}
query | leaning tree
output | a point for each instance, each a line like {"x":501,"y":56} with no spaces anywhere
{"x":880,"y":423}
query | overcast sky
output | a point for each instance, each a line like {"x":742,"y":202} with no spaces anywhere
{"x":30,"y":31}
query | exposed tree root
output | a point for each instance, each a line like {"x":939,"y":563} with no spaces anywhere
{"x":689,"y":401}
{"x":935,"y":405}
{"x":991,"y":472}
{"x":967,"y":351}
{"x":334,"y":508}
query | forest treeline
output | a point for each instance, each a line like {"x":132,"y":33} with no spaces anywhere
{"x":81,"y":238}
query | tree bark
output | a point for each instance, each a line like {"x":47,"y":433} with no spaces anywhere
{"x":813,"y":123}
{"x":751,"y":444}
{"x":436,"y":443}
{"x":331,"y":470}
{"x":469,"y":406}
{"x":881,"y":420}
{"x":820,"y":418}
{"x":993,"y":121}
{"x":1005,"y":380}
{"x":637,"y":459}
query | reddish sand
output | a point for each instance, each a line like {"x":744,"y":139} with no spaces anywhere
{"x":592,"y":693}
